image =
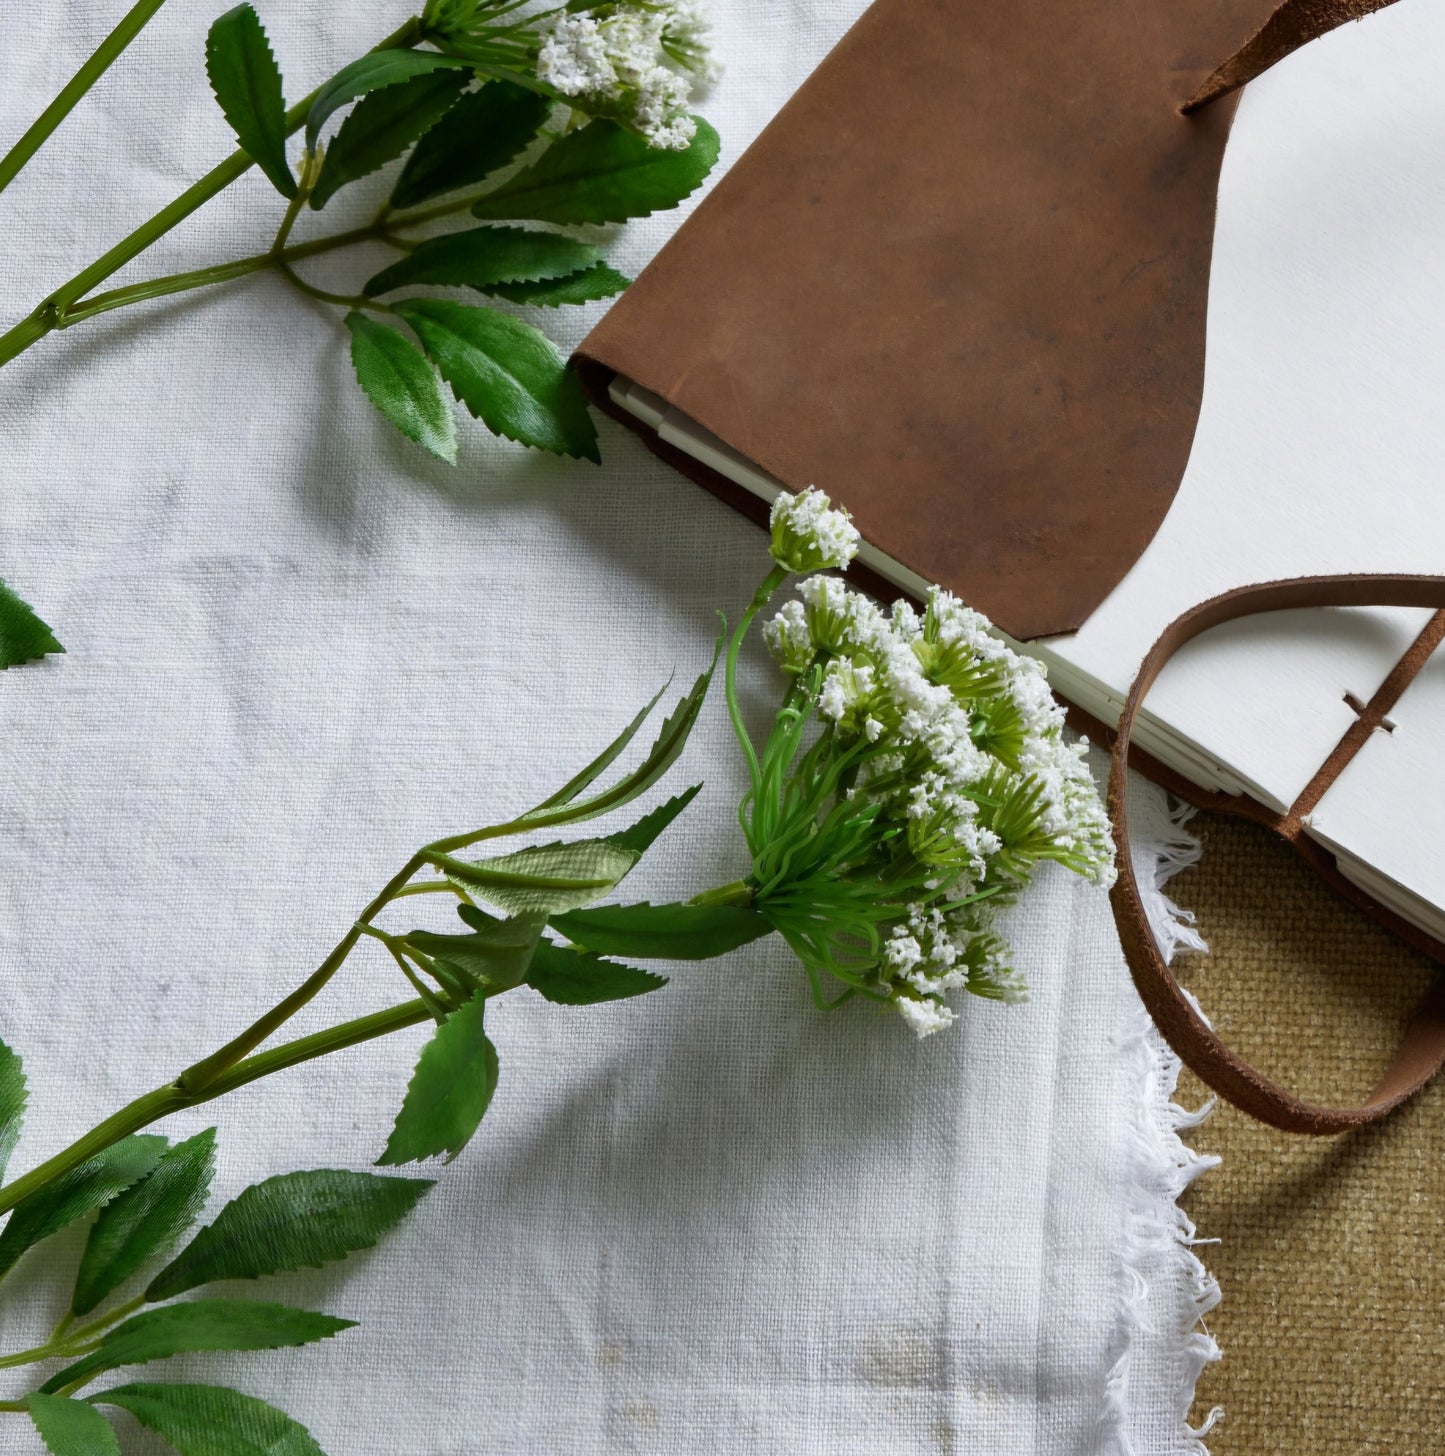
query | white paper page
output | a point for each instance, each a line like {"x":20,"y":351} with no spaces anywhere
{"x":1322,"y":436}
{"x":1387,"y":808}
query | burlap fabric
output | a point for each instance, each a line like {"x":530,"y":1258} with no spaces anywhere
{"x":1333,"y":1314}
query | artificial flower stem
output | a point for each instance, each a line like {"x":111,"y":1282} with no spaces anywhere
{"x":173,"y":1098}
{"x":216,"y":273}
{"x":288,"y":220}
{"x":45,"y":317}
{"x":95,"y":66}
{"x":740,"y":892}
{"x":50,"y":1350}
{"x":31,"y":330}
{"x":78,"y":1342}
{"x":395,"y":944}
{"x":344,"y":300}
{"x":201,"y":1074}
{"x":771,"y":582}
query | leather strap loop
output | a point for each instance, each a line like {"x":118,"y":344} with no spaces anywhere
{"x":1422,"y":1051}
{"x":1293,"y":24}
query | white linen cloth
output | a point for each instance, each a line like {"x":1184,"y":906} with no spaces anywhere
{"x":708,"y":1220}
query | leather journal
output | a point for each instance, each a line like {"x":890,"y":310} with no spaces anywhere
{"x":961,"y":282}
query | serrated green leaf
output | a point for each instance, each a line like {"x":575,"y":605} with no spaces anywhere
{"x":604,"y":760}
{"x":210,"y":1420}
{"x":371,"y":72}
{"x":545,"y":877}
{"x":293,"y":1221}
{"x":572,"y":977}
{"x":642,"y":835}
{"x":12,"y":1103}
{"x":145,"y":1220}
{"x":449,"y":1092}
{"x":598,"y":281}
{"x":383,"y":125}
{"x":662,"y":932}
{"x":395,"y":376}
{"x":71,"y":1427}
{"x":602,"y":173}
{"x":483,"y":256}
{"x":671,"y":740}
{"x":496,"y":955}
{"x":511,"y":377}
{"x":23,"y":636}
{"x":74,"y":1194}
{"x":200,"y":1324}
{"x":247,"y":82}
{"x":482,"y":132}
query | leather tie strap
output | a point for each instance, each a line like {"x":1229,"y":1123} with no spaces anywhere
{"x":1293,"y":24}
{"x":1423,"y":1049}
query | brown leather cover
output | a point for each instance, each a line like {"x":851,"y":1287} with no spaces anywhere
{"x":960,"y":282}
{"x":1422,"y":1050}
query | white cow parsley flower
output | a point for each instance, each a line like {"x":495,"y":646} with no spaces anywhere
{"x":634,"y":63}
{"x":939,"y":778}
{"x":809,"y":535}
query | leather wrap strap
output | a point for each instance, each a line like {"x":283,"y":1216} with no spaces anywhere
{"x":1293,"y":24}
{"x":1423,"y":1049}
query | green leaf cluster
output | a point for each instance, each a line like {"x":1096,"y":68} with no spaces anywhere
{"x":147,"y":1195}
{"x":507,"y":373}
{"x":552,"y":886}
{"x":458,"y":134}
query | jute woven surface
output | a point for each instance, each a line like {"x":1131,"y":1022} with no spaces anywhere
{"x":1333,"y":1314}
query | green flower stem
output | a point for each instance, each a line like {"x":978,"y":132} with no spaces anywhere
{"x":216,"y":273}
{"x":51,"y":1350}
{"x":288,"y":220}
{"x":428,"y":887}
{"x":45,"y":317}
{"x":31,"y":330}
{"x":436,"y":1009}
{"x":97,"y":64}
{"x":202,"y":1073}
{"x":740,"y":892}
{"x":344,"y":300}
{"x":79,"y":1341}
{"x":774,"y":579}
{"x":173,"y":1097}
{"x":399,"y":949}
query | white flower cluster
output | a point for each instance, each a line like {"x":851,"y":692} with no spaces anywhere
{"x":809,"y":535}
{"x":634,"y":62}
{"x":967,"y":758}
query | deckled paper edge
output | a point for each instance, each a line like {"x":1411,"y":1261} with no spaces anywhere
{"x":1157,"y":1239}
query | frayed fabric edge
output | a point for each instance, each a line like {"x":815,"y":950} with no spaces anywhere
{"x":1157,"y":1238}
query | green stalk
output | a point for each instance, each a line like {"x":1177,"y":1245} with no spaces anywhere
{"x":740,"y":892}
{"x":173,"y":1097}
{"x":771,"y":582}
{"x":215,"y":273}
{"x":77,"y":1342}
{"x":47,"y":315}
{"x":31,"y":330}
{"x":99,"y":62}
{"x":203,"y":1073}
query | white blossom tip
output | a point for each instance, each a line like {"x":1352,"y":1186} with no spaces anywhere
{"x":808,"y":534}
